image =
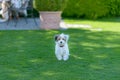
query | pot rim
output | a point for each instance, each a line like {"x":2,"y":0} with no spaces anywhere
{"x":50,"y":11}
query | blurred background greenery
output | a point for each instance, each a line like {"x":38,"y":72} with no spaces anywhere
{"x":91,"y":9}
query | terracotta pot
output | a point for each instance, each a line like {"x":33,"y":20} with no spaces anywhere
{"x":50,"y":20}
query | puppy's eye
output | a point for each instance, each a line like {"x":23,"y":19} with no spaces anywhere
{"x":58,"y":39}
{"x":63,"y":39}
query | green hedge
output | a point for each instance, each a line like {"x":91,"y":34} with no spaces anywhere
{"x":92,"y":9}
{"x":114,"y":8}
{"x":49,"y":5}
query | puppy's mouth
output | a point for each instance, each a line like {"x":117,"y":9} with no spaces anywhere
{"x":61,"y":45}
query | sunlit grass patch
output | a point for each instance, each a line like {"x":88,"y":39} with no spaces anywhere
{"x":107,"y":24}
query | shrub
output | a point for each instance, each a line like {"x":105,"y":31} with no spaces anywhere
{"x":92,"y":9}
{"x":114,"y":8}
{"x":49,"y":5}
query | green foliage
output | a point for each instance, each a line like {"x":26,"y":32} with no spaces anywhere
{"x":49,"y":5}
{"x":114,"y":8}
{"x":92,"y":9}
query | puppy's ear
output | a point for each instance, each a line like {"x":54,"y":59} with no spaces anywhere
{"x":66,"y":37}
{"x":55,"y":37}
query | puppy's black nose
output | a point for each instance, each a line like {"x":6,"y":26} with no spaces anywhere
{"x":61,"y":42}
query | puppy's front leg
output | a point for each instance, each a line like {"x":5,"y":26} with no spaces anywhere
{"x":65,"y":57}
{"x":59,"y":57}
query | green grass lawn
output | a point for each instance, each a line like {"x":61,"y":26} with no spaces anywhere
{"x":29,"y":55}
{"x":107,"y":24}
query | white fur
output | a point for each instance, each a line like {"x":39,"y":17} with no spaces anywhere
{"x":61,"y":47}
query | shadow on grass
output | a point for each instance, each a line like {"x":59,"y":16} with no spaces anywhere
{"x":29,"y":55}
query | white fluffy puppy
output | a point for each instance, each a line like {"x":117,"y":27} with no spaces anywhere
{"x":61,"y":47}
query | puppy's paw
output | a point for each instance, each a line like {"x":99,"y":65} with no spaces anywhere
{"x":65,"y":57}
{"x":59,"y":58}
